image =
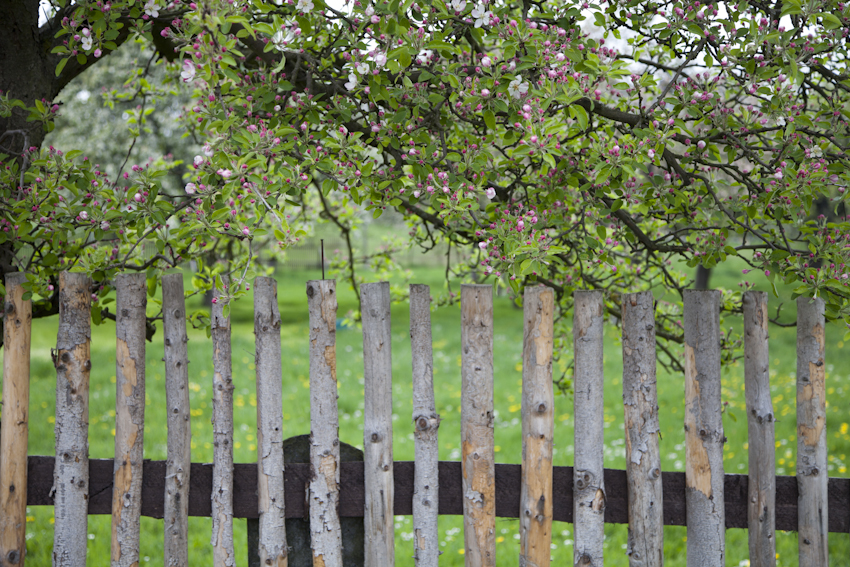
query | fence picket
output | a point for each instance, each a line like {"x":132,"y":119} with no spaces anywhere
{"x":704,"y":430}
{"x":426,"y":489}
{"x":588,"y":476}
{"x":17,"y":335}
{"x":130,"y":305}
{"x":325,"y":531}
{"x":643,"y":456}
{"x":538,"y":427}
{"x":761,"y":509}
{"x":378,"y":425}
{"x":71,"y":476}
{"x":222,"y":421}
{"x":270,"y":487}
{"x":478,"y":444}
{"x":812,"y":477}
{"x":179,"y":460}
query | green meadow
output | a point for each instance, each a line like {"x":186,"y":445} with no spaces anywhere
{"x":447,"y":357}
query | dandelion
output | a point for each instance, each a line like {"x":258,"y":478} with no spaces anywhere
{"x":188,"y":72}
{"x":517,"y":88}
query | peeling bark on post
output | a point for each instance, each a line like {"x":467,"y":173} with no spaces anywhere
{"x":426,"y":489}
{"x":325,"y":531}
{"x":812,"y":474}
{"x":378,"y":425}
{"x":478,"y":446}
{"x":131,"y":301}
{"x":704,"y":439}
{"x":643,"y":456}
{"x":17,"y":334}
{"x":179,"y":459}
{"x":71,"y":475}
{"x":538,"y":428}
{"x":222,"y":421}
{"x":270,"y":489}
{"x":761,"y":508}
{"x":588,"y":476}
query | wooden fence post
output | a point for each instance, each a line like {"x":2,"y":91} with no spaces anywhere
{"x":426,"y":486}
{"x":378,"y":424}
{"x":478,"y":443}
{"x":222,"y":419}
{"x":588,"y":475}
{"x":761,"y":509}
{"x":643,"y":456}
{"x":131,"y":301}
{"x":704,"y":439}
{"x":270,"y":488}
{"x":538,"y":427}
{"x":71,"y":475}
{"x":17,"y":334}
{"x":325,"y":530}
{"x":812,"y":477}
{"x":179,"y":459}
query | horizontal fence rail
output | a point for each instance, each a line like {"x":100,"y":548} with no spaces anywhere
{"x":508,"y":483}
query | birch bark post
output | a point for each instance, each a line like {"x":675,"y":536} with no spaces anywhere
{"x":812,"y":477}
{"x":761,"y":509}
{"x":378,"y":425}
{"x":704,"y":439}
{"x":131,"y":301}
{"x":325,"y":531}
{"x":222,"y":421}
{"x":71,"y":474}
{"x":14,"y":433}
{"x":588,"y":475}
{"x":538,"y":428}
{"x":426,"y":486}
{"x":179,"y":457}
{"x":478,"y":444}
{"x":270,"y":490}
{"x":643,"y":456}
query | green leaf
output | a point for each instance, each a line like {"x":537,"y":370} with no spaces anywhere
{"x":61,"y":66}
{"x":490,"y":119}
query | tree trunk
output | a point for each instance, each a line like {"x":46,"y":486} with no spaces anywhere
{"x":71,"y":476}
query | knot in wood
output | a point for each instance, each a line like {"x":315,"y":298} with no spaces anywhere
{"x":87,"y":365}
{"x":125,"y":313}
{"x":655,"y":473}
{"x":376,"y":437}
{"x":310,"y":291}
{"x":585,"y":560}
{"x":10,"y":308}
{"x":422,"y":423}
{"x":703,"y":433}
{"x":13,"y":556}
{"x":65,"y":357}
{"x":819,"y":363}
{"x":541,"y":408}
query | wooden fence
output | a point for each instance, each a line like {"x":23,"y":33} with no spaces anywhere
{"x":704,"y":498}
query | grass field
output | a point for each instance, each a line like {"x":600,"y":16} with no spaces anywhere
{"x":446,"y":336}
